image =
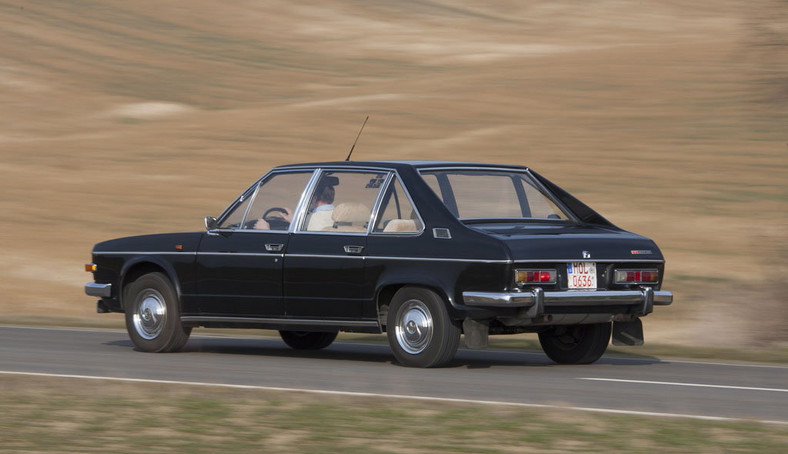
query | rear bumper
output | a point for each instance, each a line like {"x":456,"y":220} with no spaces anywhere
{"x":98,"y":290}
{"x":645,"y":299}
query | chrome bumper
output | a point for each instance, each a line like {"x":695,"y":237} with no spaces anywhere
{"x":536,"y":298}
{"x":99,"y":290}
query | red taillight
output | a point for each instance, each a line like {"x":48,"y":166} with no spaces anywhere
{"x":535,"y":277}
{"x":637,"y":276}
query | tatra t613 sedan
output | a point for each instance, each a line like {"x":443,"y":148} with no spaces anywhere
{"x":422,"y":251}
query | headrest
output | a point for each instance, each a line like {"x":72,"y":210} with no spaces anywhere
{"x":351,"y":212}
{"x":401,"y":225}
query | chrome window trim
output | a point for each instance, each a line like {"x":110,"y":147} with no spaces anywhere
{"x":323,"y":232}
{"x":299,"y":216}
{"x":252,"y":231}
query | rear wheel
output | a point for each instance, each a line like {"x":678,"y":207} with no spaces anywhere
{"x":419,"y":329}
{"x":152,"y":314}
{"x":308,"y":340}
{"x":576,"y":344}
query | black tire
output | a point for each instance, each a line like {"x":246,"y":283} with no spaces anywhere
{"x":576,"y":344}
{"x":308,"y":340}
{"x":419,"y":329}
{"x":153,"y":317}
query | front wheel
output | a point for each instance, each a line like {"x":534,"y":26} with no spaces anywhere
{"x":152,"y":315}
{"x":576,"y":344}
{"x":419,"y":329}
{"x":308,"y":340}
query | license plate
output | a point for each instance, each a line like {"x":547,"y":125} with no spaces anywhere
{"x":582,"y":275}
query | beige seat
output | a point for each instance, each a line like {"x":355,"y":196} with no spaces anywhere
{"x":349,"y":217}
{"x":401,"y":225}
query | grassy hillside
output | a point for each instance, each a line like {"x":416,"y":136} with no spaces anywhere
{"x":122,"y":118}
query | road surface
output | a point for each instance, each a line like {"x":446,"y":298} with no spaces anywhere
{"x":704,"y":390}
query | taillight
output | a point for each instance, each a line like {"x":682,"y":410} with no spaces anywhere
{"x":524,"y":277}
{"x":637,"y":276}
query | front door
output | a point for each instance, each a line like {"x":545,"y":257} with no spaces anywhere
{"x":239,"y":264}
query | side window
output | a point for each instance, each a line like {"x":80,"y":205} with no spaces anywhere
{"x":485,"y":196}
{"x":275,"y":202}
{"x":396,"y":213}
{"x":342,"y":201}
{"x":236,"y":216}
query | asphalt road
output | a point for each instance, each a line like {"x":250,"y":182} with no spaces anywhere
{"x":695,"y":389}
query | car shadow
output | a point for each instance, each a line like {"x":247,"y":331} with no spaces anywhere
{"x":380,"y":353}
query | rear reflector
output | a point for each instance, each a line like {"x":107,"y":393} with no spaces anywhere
{"x":535,"y":276}
{"x":637,"y":276}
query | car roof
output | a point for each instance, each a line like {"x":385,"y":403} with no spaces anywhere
{"x":398,"y":165}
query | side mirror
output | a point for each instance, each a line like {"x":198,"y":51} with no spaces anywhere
{"x":210,"y":223}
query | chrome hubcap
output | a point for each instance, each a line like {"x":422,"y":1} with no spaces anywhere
{"x":150,"y":315}
{"x":414,"y":327}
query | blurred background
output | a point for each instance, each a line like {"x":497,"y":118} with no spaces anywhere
{"x":670,"y":118}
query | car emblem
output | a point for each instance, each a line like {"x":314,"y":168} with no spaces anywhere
{"x":586,"y":255}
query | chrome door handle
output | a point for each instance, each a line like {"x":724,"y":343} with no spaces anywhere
{"x":274,"y":247}
{"x":350,"y":249}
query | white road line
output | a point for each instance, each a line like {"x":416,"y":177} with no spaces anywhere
{"x":696,"y":385}
{"x":395,"y":396}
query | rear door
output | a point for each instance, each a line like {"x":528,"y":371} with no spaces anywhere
{"x":324,"y":264}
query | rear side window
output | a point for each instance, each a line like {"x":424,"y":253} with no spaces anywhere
{"x":342,"y":201}
{"x":396,"y":214}
{"x":492,"y":194}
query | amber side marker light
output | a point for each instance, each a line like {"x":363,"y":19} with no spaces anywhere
{"x":637,"y":276}
{"x":535,"y":276}
{"x":90,"y":267}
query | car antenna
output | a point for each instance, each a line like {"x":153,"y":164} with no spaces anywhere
{"x":359,"y":135}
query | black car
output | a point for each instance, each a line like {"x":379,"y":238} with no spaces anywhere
{"x":423,"y":251}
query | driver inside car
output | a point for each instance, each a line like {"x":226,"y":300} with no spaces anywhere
{"x":283,"y":216}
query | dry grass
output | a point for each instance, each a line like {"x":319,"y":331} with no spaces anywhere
{"x":68,"y":415}
{"x":138,"y":117}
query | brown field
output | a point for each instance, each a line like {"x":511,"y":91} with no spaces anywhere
{"x":123,"y":118}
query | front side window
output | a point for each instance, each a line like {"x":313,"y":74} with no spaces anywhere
{"x":489,"y":194}
{"x":342,"y":201}
{"x":275,"y":202}
{"x":271,"y":205}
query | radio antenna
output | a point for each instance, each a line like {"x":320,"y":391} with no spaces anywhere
{"x":355,"y":141}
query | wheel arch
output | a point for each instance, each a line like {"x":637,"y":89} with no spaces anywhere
{"x":386,"y":292}
{"x":133,"y":269}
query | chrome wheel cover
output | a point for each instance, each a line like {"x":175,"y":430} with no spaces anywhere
{"x":150,"y":314}
{"x":414,"y":327}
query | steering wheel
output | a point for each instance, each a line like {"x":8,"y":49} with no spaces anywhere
{"x":276,"y":222}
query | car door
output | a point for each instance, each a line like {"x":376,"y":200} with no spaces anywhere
{"x":239,"y":264}
{"x":324,"y":265}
